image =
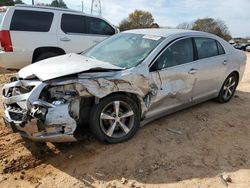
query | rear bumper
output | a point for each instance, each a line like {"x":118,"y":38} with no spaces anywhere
{"x":15,"y":60}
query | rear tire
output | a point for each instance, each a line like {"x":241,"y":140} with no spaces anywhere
{"x":228,"y":89}
{"x":115,"y":119}
{"x":45,"y":56}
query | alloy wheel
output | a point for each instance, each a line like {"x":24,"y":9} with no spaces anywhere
{"x":229,"y":88}
{"x":117,"y":119}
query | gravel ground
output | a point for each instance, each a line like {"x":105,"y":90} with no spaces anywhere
{"x":209,"y":147}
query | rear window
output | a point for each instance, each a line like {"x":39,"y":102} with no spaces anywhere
{"x":99,"y":26}
{"x":206,"y":47}
{"x":24,"y":20}
{"x":73,"y":23}
{"x":220,"y":48}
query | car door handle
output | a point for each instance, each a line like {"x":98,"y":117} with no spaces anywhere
{"x":65,"y":39}
{"x":192,"y":71}
{"x":225,"y":62}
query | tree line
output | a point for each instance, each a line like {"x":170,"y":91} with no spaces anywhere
{"x":54,"y":3}
{"x":144,"y":19}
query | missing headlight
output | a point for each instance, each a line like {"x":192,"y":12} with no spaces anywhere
{"x":59,"y":102}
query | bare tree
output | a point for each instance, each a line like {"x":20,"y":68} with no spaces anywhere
{"x":210,"y":25}
{"x":10,"y":2}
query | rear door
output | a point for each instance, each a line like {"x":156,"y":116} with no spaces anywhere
{"x":77,"y":33}
{"x":173,"y":75}
{"x":210,"y":68}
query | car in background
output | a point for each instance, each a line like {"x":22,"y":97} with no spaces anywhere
{"x":248,"y":48}
{"x":121,"y":83}
{"x":32,"y":33}
{"x":241,"y":46}
{"x":238,"y":46}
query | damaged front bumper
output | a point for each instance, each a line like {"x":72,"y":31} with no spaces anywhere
{"x":27,"y":114}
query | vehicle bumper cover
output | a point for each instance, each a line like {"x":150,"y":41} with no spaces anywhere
{"x":36,"y":119}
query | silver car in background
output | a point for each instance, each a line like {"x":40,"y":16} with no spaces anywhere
{"x":125,"y":81}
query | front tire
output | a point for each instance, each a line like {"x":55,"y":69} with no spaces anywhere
{"x":228,"y":89}
{"x":115,"y":119}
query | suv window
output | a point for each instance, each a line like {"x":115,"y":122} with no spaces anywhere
{"x":220,"y":48}
{"x":73,"y":23}
{"x":178,"y":53}
{"x":206,"y":47}
{"x":98,"y":26}
{"x":26,"y":20}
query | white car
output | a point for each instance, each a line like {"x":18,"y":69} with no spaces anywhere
{"x":32,"y":33}
{"x":248,"y":48}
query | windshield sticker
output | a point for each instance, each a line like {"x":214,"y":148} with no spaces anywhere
{"x":151,"y":37}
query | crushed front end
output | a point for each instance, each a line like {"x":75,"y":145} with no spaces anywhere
{"x":41,"y":112}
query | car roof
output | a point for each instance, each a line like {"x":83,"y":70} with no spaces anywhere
{"x":163,"y":32}
{"x":45,"y":7}
{"x":52,"y":9}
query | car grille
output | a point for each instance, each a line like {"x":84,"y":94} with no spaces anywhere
{"x":18,"y":90}
{"x":16,"y":113}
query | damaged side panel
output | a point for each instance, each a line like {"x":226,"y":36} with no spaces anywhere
{"x":50,"y":111}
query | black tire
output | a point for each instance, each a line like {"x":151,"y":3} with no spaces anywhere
{"x":101,"y":127}
{"x":45,"y":56}
{"x":223,"y":97}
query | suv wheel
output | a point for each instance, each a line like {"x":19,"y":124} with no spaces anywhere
{"x":45,"y":56}
{"x":115,"y":119}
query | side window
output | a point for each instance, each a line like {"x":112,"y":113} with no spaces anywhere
{"x":73,"y":23}
{"x":206,"y":47}
{"x":180,"y":52}
{"x":98,"y":26}
{"x":25,"y":20}
{"x":220,"y":48}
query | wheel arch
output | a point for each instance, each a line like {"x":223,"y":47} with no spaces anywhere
{"x":237,"y":74}
{"x":129,"y":94}
{"x":88,"y":102}
{"x":40,"y":50}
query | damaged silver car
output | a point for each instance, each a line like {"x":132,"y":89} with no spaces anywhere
{"x":124,"y":82}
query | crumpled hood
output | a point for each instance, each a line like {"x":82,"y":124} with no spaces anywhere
{"x":62,"y":66}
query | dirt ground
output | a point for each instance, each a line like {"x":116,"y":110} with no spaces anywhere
{"x":210,"y":147}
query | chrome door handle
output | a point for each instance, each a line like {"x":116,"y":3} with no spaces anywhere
{"x":225,"y":62}
{"x":65,"y":39}
{"x":192,"y":71}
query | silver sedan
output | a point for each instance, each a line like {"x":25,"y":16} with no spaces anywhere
{"x":125,"y":81}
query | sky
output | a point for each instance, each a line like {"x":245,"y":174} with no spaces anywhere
{"x":170,"y":13}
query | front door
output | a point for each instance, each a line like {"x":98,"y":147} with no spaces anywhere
{"x":173,"y":73}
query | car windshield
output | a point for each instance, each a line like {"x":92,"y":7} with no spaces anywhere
{"x":125,"y":50}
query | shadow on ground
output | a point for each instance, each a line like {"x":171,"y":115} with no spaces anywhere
{"x":212,"y":138}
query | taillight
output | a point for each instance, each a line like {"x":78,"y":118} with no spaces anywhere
{"x":5,"y":41}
